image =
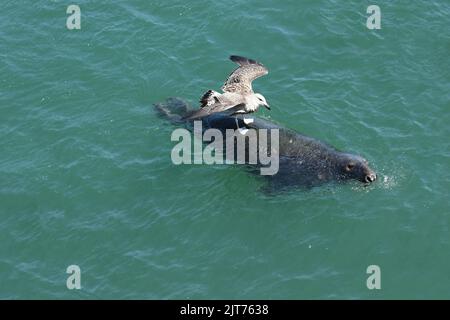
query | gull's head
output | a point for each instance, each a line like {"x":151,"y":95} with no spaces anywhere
{"x":261,"y":101}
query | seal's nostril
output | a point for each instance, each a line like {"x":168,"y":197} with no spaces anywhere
{"x":370,"y":177}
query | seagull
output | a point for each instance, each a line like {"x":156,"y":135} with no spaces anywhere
{"x":238,"y":95}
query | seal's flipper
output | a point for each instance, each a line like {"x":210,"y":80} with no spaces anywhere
{"x":173,"y":109}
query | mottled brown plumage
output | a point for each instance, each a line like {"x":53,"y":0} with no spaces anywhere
{"x":238,"y":95}
{"x":240,"y":80}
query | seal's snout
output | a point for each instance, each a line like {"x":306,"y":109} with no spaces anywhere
{"x":371,"y":177}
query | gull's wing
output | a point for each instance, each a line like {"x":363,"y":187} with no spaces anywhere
{"x":214,"y":108}
{"x":210,"y":97}
{"x":240,"y":80}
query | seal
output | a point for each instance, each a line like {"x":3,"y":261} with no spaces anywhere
{"x":303,"y":161}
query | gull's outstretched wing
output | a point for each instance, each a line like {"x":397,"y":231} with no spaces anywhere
{"x":240,"y":80}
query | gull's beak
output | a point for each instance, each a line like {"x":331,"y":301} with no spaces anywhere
{"x":267,"y":106}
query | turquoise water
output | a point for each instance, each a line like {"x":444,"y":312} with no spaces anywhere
{"x":86,"y":176}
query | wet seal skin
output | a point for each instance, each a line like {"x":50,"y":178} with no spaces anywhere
{"x":303,"y":161}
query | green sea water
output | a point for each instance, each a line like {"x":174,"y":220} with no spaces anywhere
{"x":86,"y":176}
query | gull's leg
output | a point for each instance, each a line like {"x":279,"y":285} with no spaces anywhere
{"x":243,"y":131}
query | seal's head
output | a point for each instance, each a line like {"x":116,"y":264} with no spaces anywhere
{"x":356,"y":167}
